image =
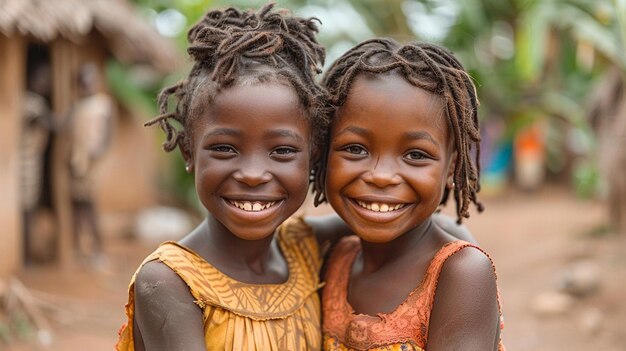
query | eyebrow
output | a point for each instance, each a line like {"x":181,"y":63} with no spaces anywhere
{"x":355,"y":130}
{"x":421,"y":135}
{"x":223,"y":131}
{"x":280,"y":132}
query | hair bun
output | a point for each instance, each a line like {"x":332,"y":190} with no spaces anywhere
{"x":223,"y":37}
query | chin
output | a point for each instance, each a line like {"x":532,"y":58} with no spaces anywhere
{"x":372,"y":235}
{"x":378,"y":239}
{"x":253,"y":232}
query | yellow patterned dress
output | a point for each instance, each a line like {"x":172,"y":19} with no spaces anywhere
{"x":240,"y":316}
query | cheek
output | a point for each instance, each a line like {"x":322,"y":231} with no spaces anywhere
{"x":430,"y":186}
{"x":339,"y":173}
{"x":333,"y":173}
{"x":210,"y":173}
{"x":294,"y":175}
{"x":206,"y":179}
{"x":300,"y":177}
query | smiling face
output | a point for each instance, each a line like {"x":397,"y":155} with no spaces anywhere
{"x":250,"y":153}
{"x":389,"y":157}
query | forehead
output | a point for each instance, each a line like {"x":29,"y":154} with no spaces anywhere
{"x":386,"y":99}
{"x":260,"y":106}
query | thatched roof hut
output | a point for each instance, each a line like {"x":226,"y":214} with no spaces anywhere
{"x":67,"y":34}
{"x":128,"y":38}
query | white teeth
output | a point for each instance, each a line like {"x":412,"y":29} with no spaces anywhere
{"x":380,"y":207}
{"x":252,"y":206}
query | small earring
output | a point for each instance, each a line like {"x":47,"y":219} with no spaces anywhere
{"x":450,"y":184}
{"x":188,"y":168}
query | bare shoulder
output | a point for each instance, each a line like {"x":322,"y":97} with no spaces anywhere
{"x":469,"y":264}
{"x":449,"y":225}
{"x":465,"y":312}
{"x":155,"y":278}
{"x":165,"y":312}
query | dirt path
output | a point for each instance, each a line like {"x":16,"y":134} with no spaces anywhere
{"x":530,"y":238}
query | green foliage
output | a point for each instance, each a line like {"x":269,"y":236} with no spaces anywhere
{"x":586,"y":178}
{"x":22,"y":326}
{"x":140,"y":98}
{"x":384,"y":18}
{"x":5,"y":334}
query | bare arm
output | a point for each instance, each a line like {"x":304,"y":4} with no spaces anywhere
{"x":165,"y":313}
{"x":465,"y":313}
{"x":329,"y":228}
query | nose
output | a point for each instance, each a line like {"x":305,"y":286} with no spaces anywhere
{"x":383,"y":174}
{"x":252,"y":176}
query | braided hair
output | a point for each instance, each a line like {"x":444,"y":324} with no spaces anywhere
{"x":429,"y":67}
{"x":232,"y":47}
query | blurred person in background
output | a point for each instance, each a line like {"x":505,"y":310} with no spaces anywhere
{"x":90,"y":133}
{"x":36,"y":127}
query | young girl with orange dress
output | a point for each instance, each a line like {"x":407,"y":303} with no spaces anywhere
{"x":252,"y":117}
{"x":403,"y":138}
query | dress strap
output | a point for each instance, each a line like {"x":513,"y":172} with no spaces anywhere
{"x":336,"y":310}
{"x":339,"y":266}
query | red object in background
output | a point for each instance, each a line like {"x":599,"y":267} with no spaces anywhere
{"x":529,"y":154}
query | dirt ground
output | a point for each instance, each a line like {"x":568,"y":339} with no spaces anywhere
{"x":531,"y":238}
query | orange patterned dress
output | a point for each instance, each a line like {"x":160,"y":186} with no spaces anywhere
{"x":406,"y":328}
{"x":240,"y":316}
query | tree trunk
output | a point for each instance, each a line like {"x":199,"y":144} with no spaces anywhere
{"x":608,"y":117}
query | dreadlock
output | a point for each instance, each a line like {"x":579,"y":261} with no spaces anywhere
{"x":231,"y":47}
{"x":429,"y":67}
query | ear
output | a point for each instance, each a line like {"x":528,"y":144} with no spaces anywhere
{"x":451,"y":168}
{"x":187,"y":156}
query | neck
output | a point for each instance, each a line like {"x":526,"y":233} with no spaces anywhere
{"x":376,"y":255}
{"x":235,"y":252}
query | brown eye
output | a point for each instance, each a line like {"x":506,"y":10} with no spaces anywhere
{"x":355,"y":149}
{"x":223,"y":149}
{"x":416,"y":155}
{"x":284,"y":151}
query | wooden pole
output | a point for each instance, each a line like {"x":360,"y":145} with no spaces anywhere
{"x":12,"y":75}
{"x":64,"y":62}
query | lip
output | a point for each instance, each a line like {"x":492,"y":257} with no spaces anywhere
{"x":378,"y":217}
{"x":240,"y":197}
{"x":385,"y":199}
{"x":253,"y":216}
